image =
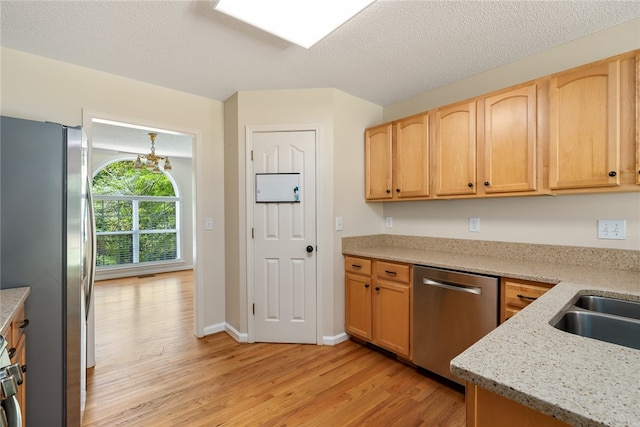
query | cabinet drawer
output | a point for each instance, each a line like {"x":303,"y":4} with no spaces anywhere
{"x":392,"y":271}
{"x":357,"y":265}
{"x":521,"y":294}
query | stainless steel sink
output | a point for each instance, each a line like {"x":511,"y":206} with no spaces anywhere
{"x":603,"y":327}
{"x":607,"y":305}
{"x":606,"y":319}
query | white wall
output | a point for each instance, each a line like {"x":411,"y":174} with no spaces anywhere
{"x":563,"y":220}
{"x":181,"y":173}
{"x":351,"y":116}
{"x":340,"y":180}
{"x":557,"y":220}
{"x":38,"y":88}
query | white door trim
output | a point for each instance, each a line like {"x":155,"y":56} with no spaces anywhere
{"x":320,"y":243}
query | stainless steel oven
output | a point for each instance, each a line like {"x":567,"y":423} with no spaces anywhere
{"x":451,"y":311}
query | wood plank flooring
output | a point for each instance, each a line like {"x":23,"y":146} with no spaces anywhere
{"x":152,"y":371}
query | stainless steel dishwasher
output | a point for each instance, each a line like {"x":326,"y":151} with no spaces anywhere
{"x":451,"y":311}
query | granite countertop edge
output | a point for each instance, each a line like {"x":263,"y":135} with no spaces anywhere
{"x":577,"y":380}
{"x":10,"y":300}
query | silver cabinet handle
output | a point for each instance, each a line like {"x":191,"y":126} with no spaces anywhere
{"x":453,"y":287}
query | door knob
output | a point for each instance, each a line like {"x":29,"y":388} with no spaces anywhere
{"x":309,"y":248}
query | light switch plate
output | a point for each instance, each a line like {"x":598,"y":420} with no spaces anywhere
{"x":388,"y":222}
{"x":338,"y":223}
{"x":208,"y":223}
{"x":612,"y":229}
{"x":474,"y":224}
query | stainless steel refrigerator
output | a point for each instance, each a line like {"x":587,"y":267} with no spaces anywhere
{"x":47,"y":242}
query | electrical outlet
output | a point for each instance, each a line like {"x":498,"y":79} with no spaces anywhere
{"x":338,"y":223}
{"x":612,"y":229}
{"x":388,"y":222}
{"x":474,"y":224}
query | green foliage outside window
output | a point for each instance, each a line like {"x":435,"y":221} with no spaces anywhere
{"x":121,"y":179}
{"x":121,"y":241}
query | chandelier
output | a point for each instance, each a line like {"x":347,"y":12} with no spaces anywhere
{"x":152,"y":161}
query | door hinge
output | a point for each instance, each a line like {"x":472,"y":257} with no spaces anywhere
{"x":253,"y":232}
{"x":252,"y":155}
{"x":254,"y":309}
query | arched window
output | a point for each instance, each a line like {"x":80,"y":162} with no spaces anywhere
{"x":136,"y":215}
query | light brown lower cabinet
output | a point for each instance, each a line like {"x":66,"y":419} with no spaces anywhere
{"x":488,"y":409}
{"x":378,"y":303}
{"x":516,"y":294}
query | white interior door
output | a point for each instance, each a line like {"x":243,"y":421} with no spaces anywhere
{"x":284,"y":243}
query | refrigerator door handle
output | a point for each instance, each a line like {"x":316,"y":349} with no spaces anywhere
{"x":92,"y":252}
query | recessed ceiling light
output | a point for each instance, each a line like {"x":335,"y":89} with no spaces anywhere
{"x":303,"y":22}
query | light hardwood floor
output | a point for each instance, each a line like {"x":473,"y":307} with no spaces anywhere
{"x":152,"y":371}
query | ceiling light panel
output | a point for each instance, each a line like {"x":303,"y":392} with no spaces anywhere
{"x":303,"y":22}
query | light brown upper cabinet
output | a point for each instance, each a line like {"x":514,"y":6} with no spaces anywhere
{"x":577,"y":131}
{"x":584,"y":127}
{"x":397,"y":159}
{"x":378,"y":160}
{"x":411,"y":169}
{"x":455,"y":150}
{"x":509,"y":141}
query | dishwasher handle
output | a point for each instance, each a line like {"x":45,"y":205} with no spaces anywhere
{"x":453,"y":287}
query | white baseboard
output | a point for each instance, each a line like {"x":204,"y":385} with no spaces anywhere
{"x":243,"y":337}
{"x":214,"y":329}
{"x":132,"y":271}
{"x":233,"y":333}
{"x":336,"y":339}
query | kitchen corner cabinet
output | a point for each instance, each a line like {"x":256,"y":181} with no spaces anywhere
{"x":357,"y":285}
{"x":516,"y":294}
{"x":14,"y":334}
{"x":378,"y":160}
{"x":487,"y":409}
{"x":397,"y":159}
{"x":584,"y":127}
{"x":377,"y":303}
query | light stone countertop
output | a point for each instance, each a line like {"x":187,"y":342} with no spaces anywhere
{"x":578,"y":380}
{"x":10,"y":300}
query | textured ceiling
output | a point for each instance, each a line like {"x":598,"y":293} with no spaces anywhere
{"x":391,"y":51}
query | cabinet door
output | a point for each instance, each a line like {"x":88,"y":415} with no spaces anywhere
{"x":510,"y":141}
{"x":378,"y":162}
{"x":411,"y":173}
{"x":455,"y":150}
{"x":584,"y":127}
{"x":391,"y":316}
{"x":358,"y":305}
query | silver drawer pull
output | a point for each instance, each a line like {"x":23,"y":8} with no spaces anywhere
{"x":453,"y":287}
{"x":391,"y":273}
{"x":356,"y":266}
{"x":526,"y":297}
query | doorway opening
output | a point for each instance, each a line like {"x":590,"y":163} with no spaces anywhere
{"x":161,"y":232}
